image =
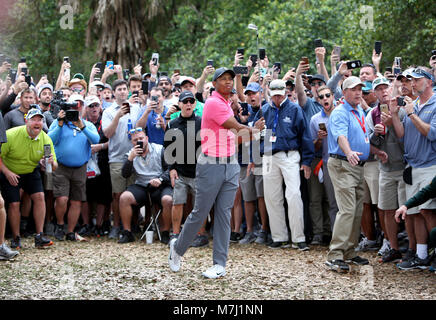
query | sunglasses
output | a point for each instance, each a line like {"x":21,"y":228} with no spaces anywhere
{"x":77,"y":89}
{"x":94,"y":105}
{"x":433,"y":58}
{"x":277,"y":88}
{"x":319,"y":83}
{"x":327,"y":95}
{"x":132,"y":131}
{"x":191,"y":101}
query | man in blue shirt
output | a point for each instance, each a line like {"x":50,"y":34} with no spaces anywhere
{"x":349,"y":148}
{"x":72,"y":140}
{"x":287,"y":133}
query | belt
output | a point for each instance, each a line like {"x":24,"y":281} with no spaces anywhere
{"x":221,"y":159}
{"x":338,"y":156}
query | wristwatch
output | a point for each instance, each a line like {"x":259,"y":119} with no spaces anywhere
{"x":409,"y":114}
{"x":160,"y":179}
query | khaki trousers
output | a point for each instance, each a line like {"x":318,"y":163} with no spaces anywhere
{"x":348,"y":184}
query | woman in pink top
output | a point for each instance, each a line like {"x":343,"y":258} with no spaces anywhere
{"x":217,"y":176}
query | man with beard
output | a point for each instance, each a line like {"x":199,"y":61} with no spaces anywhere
{"x":322,"y":223}
{"x":22,"y":155}
{"x":166,"y":85}
{"x":45,"y":95}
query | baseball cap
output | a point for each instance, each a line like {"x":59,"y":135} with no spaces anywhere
{"x":34,"y":112}
{"x":317,"y":77}
{"x":379,"y":81}
{"x":418,"y":73}
{"x":253,"y":87}
{"x":165,"y":78}
{"x":220,"y":71}
{"x":277,"y":87}
{"x":74,"y":97}
{"x":186,"y":95}
{"x":96,"y":84}
{"x":405,"y":74}
{"x":351,"y":82}
{"x":184,"y":79}
{"x":367,"y":87}
{"x":43,"y":87}
{"x":91,"y":100}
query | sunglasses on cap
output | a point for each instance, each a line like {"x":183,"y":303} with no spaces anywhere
{"x":327,"y":95}
{"x":191,"y":101}
{"x":273,"y":88}
{"x":132,"y":131}
{"x":319,"y":83}
{"x":423,"y":73}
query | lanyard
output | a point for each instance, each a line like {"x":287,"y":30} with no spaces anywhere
{"x":276,"y":121}
{"x":362,"y":123}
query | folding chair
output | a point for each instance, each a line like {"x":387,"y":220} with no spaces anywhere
{"x":153,"y":218}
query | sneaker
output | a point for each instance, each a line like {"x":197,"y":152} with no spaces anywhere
{"x":338,"y":265}
{"x":201,"y":240}
{"x":386,"y":247}
{"x":358,"y":260}
{"x":235,"y":237}
{"x":165,"y":237}
{"x":85,"y":231}
{"x":115,"y":233}
{"x":71,"y":236}
{"x":414,"y":263}
{"x":367,"y":245}
{"x":391,"y":256}
{"x":432,"y":267}
{"x":42,"y":242}
{"x":402,"y":235}
{"x":279,"y":244}
{"x":215,"y":272}
{"x":126,"y":237}
{"x":106,"y":226}
{"x":317,"y":239}
{"x":302,"y":246}
{"x":262,"y":238}
{"x":6,"y":253}
{"x":410,"y":254}
{"x":16,"y":243}
{"x":173,"y":258}
{"x":59,"y":232}
{"x":248,"y":238}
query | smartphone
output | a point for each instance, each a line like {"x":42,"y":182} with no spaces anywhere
{"x":241,"y":51}
{"x":155,"y":98}
{"x":210,"y":63}
{"x":278,"y":67}
{"x":177,"y":70}
{"x":377,"y":47}
{"x":262,"y":53}
{"x":140,"y":143}
{"x":135,"y":93}
{"x":318,"y":43}
{"x":24,"y":70}
{"x":305,"y":59}
{"x":397,"y":62}
{"x":99,"y":65}
{"x":155,"y":58}
{"x":354,"y":64}
{"x":240,"y":69}
{"x":127,"y":105}
{"x":322,"y":126}
{"x":145,"y":86}
{"x":244,"y":107}
{"x":110,"y":65}
{"x":388,"y":69}
{"x":140,"y":61}
{"x":126,"y":74}
{"x":67,"y":59}
{"x":397,"y":71}
{"x":13,"y":75}
{"x":384,"y":108}
{"x":337,"y":51}
{"x":28,"y":80}
{"x":47,"y":151}
{"x":400,"y":102}
{"x":23,"y":60}
{"x":253,"y":58}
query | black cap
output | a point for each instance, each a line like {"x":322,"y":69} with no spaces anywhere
{"x":220,"y":71}
{"x":186,"y":95}
{"x":317,"y":77}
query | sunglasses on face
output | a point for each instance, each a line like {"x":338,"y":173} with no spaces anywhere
{"x":77,"y":89}
{"x":319,"y":83}
{"x":327,"y":95}
{"x":132,"y":131}
{"x":433,"y":58}
{"x":94,"y":105}
{"x":191,"y":101}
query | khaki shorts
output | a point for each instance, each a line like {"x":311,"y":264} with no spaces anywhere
{"x":119,"y":183}
{"x":371,"y":173}
{"x":251,"y":186}
{"x":392,"y":191}
{"x":70,"y":182}
{"x":421,"y":177}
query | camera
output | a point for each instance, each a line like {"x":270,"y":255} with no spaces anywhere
{"x":240,"y":70}
{"x":59,"y":103}
{"x":400,"y":101}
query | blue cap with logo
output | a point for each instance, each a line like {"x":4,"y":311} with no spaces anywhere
{"x":253,"y":87}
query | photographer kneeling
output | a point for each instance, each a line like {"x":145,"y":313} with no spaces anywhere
{"x":72,"y":137}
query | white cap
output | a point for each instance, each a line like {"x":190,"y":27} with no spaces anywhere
{"x":277,"y":87}
{"x":351,"y":82}
{"x":91,"y":100}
